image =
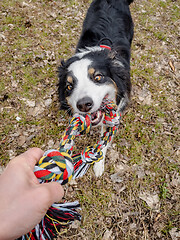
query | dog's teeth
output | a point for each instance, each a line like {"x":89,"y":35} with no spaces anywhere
{"x":96,"y":117}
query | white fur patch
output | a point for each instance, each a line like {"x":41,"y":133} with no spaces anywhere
{"x":85,"y":87}
{"x":99,"y":168}
{"x":87,"y":50}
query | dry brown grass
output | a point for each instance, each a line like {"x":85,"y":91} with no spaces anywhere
{"x":144,"y":203}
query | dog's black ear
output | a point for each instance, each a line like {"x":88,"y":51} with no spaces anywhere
{"x":121,"y":77}
{"x":87,"y":39}
{"x":62,"y":73}
{"x":121,"y":52}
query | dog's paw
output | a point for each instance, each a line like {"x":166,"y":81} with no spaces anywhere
{"x":99,"y":168}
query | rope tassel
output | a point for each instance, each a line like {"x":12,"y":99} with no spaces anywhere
{"x":60,"y":165}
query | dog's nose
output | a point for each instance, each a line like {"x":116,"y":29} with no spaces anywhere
{"x":85,"y":104}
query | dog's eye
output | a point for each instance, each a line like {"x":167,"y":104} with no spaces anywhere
{"x":98,"y":77}
{"x":69,"y":87}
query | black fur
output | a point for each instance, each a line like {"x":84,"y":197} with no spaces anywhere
{"x":107,"y":19}
{"x":107,"y":22}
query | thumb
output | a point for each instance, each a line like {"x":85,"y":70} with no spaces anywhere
{"x":54,"y":191}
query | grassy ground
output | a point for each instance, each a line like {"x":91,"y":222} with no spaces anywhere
{"x":138,"y":195}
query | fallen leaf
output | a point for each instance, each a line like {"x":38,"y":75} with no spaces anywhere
{"x":107,"y":235}
{"x":175,"y":180}
{"x":37,"y":110}
{"x":133,"y":226}
{"x":48,"y":102}
{"x":116,"y":178}
{"x":50,"y":144}
{"x":172,"y":66}
{"x":11,"y":153}
{"x":174,"y":233}
{"x":76,"y":224}
{"x":21,"y":140}
{"x":29,"y":103}
{"x":158,"y":216}
{"x":152,"y":200}
{"x":145,"y":96}
{"x":113,"y":155}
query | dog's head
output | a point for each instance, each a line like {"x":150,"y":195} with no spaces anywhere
{"x":90,"y":76}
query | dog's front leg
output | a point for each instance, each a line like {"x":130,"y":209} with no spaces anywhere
{"x":99,"y":166}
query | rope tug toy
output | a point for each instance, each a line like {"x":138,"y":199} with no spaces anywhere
{"x":59,"y":165}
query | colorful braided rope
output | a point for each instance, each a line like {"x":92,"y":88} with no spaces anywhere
{"x":59,"y":165}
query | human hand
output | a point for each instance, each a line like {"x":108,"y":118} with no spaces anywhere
{"x":23,"y":201}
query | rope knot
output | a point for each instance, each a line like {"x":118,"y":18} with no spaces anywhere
{"x":112,"y":116}
{"x":55,"y":166}
{"x":81,"y":124}
{"x":92,"y":154}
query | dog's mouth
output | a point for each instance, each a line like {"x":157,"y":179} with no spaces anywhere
{"x":96,"y":117}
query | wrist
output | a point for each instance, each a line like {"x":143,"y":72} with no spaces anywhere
{"x":7,"y":226}
{"x":5,"y":230}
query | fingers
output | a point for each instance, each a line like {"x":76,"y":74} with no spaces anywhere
{"x":53,"y":190}
{"x":31,"y":156}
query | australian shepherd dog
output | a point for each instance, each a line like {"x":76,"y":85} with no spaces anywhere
{"x":100,"y":67}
